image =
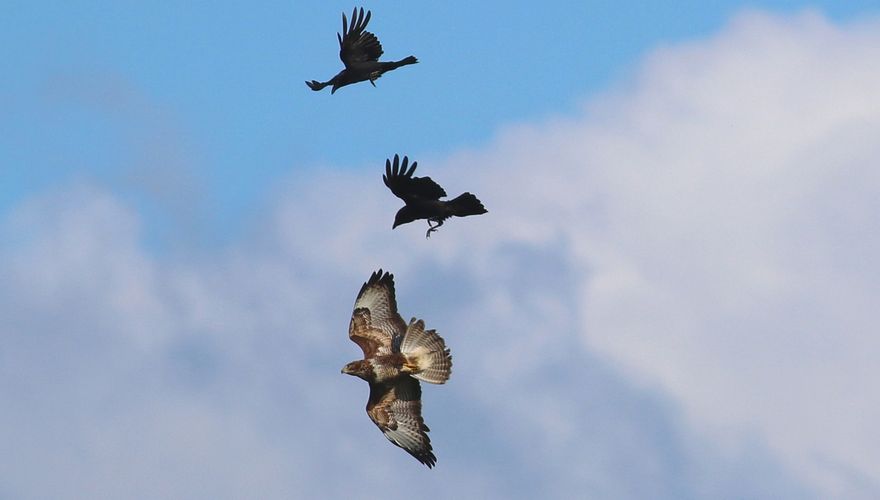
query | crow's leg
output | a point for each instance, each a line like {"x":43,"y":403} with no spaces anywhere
{"x":431,"y":228}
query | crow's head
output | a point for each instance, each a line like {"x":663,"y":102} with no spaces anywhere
{"x":403,"y":216}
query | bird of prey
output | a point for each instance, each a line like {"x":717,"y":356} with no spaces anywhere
{"x":422,"y":197}
{"x":360,"y":51}
{"x":396,"y":357}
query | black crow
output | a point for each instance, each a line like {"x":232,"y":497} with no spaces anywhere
{"x":360,"y":51}
{"x":422,"y":197}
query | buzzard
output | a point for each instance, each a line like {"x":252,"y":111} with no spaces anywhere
{"x":396,"y":357}
{"x":422,"y":197}
{"x":360,"y":51}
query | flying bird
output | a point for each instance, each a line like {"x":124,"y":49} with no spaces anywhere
{"x":360,"y":51}
{"x":396,"y":357}
{"x":422,"y":197}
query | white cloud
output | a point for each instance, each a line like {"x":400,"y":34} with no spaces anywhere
{"x":734,"y":266}
{"x":669,"y":298}
{"x":724,"y":208}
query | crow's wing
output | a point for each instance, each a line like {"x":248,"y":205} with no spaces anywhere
{"x":375,"y":325}
{"x":355,"y":44}
{"x":401,"y":182}
{"x":396,"y":409}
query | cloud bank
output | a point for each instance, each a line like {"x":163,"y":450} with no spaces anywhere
{"x":671,"y":297}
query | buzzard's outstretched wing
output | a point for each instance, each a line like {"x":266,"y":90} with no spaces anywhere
{"x":355,"y":44}
{"x":401,"y":182}
{"x":396,"y":408}
{"x":375,"y":324}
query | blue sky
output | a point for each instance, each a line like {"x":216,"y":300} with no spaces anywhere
{"x":672,"y":295}
{"x":213,"y":92}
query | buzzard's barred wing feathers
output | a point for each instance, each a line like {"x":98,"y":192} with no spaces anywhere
{"x":372,"y":341}
{"x":375,"y":325}
{"x":399,"y":179}
{"x":355,"y":44}
{"x":396,"y":408}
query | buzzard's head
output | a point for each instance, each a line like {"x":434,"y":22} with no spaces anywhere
{"x":360,"y":369}
{"x":403,"y":216}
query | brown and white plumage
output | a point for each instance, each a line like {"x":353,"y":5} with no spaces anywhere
{"x":396,"y":408}
{"x":375,"y":322}
{"x":395,"y":355}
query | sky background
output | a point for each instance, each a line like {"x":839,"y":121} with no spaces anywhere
{"x":673,"y":294}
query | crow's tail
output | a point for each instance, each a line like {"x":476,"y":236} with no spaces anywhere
{"x":316,"y":85}
{"x":466,"y":204}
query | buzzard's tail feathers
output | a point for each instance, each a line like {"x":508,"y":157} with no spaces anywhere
{"x":426,"y":353}
{"x":466,"y":204}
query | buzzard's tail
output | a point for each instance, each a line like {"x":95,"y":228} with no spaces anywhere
{"x":427,"y":357}
{"x":466,"y":204}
